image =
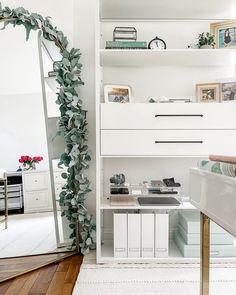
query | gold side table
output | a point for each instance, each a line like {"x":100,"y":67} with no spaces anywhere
{"x":4,"y":181}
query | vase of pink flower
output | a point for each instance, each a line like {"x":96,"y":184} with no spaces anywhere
{"x":30,"y":162}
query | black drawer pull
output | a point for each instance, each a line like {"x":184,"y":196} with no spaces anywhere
{"x":179,"y":141}
{"x":179,"y":115}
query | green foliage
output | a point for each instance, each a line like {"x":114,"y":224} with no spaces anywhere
{"x":206,"y":39}
{"x":72,"y":124}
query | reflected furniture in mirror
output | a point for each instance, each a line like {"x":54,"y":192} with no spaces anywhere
{"x":3,"y":198}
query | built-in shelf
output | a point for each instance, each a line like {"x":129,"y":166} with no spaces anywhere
{"x":105,"y":205}
{"x":175,"y":256}
{"x":168,"y":9}
{"x":169,"y":57}
{"x":52,"y":83}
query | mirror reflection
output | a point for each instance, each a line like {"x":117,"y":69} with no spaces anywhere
{"x":31,"y":223}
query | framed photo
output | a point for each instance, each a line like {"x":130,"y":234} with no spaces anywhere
{"x":225,"y":34}
{"x":117,"y":93}
{"x":228,"y":91}
{"x":208,"y":92}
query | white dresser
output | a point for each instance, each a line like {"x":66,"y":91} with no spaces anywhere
{"x":36,"y":191}
{"x":192,"y":129}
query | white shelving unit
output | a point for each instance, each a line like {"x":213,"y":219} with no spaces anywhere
{"x":169,"y":57}
{"x":172,"y":73}
{"x":179,"y":9}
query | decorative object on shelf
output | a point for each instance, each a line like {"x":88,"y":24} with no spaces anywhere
{"x":118,"y":179}
{"x":209,"y":92}
{"x":117,"y":93}
{"x":175,"y":100}
{"x":30,"y":162}
{"x":125,"y":33}
{"x":192,"y":46}
{"x":153,"y":100}
{"x":19,"y":169}
{"x":206,"y":40}
{"x":228,"y":92}
{"x":170,"y":182}
{"x":225,"y":34}
{"x":72,"y":121}
{"x":126,"y":45}
{"x":157,"y":44}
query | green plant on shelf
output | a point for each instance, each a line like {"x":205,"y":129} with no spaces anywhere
{"x":206,"y":39}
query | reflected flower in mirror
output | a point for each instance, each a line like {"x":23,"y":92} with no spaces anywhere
{"x":30,"y":162}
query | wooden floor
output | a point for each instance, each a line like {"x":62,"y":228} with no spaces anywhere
{"x":12,"y":267}
{"x":54,"y":279}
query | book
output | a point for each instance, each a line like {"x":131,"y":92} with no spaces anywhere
{"x":134,"y":235}
{"x":126,"y":45}
{"x":120,"y":234}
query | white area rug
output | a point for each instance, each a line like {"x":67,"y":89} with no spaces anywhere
{"x":153,"y":279}
{"x":28,"y":234}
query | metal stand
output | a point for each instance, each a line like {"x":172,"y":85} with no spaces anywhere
{"x":4,"y":180}
{"x":205,"y":255}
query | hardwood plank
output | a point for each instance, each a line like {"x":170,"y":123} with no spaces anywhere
{"x":67,"y":289}
{"x":57,"y":283}
{"x":17,"y":285}
{"x":13,"y":267}
{"x":28,"y":284}
{"x":4,"y":287}
{"x":71,"y":275}
{"x":44,"y":279}
{"x":49,"y":280}
{"x":64,"y":265}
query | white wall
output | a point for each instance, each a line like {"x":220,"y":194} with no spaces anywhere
{"x":22,"y":129}
{"x":84,"y":38}
{"x":21,"y":110}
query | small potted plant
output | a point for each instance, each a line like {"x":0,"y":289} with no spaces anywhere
{"x":206,"y":40}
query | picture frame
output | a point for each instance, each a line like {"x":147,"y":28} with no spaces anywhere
{"x":225,"y":34}
{"x":208,"y":92}
{"x":117,"y":93}
{"x":228,"y":92}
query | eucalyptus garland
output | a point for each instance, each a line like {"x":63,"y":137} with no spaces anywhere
{"x":72,"y":124}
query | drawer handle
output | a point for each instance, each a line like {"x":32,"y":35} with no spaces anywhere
{"x":36,"y":180}
{"x":179,"y":115}
{"x":179,"y":141}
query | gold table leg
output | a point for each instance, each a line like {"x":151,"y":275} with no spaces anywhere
{"x":205,"y":255}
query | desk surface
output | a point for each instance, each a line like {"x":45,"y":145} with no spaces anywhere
{"x":215,"y":196}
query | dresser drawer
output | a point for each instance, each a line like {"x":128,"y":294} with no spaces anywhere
{"x":167,"y":142}
{"x":37,"y":201}
{"x":36,"y":181}
{"x":168,"y":116}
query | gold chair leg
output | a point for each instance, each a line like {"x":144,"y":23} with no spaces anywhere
{"x":205,"y":255}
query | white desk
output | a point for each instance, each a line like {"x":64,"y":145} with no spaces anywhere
{"x":215,"y":196}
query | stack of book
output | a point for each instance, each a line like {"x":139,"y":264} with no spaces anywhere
{"x":126,"y":45}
